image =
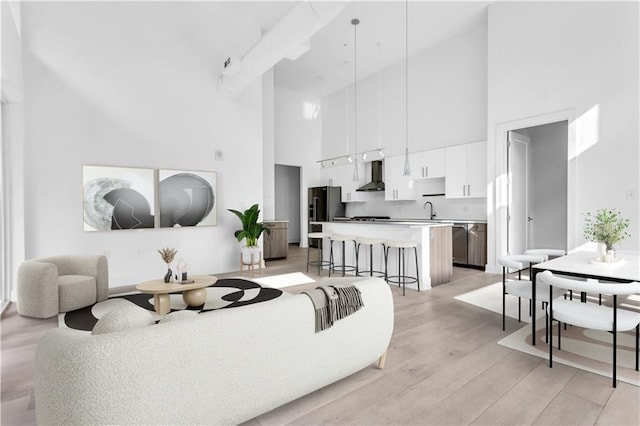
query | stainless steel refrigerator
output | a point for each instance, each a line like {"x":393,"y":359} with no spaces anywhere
{"x":325,"y":204}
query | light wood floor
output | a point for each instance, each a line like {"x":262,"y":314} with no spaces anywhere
{"x":443,"y":367}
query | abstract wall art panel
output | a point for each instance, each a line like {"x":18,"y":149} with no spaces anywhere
{"x":186,"y":198}
{"x":118,"y":198}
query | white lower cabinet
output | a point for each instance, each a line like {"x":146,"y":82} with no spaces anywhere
{"x":466,"y":171}
{"x":397,"y":186}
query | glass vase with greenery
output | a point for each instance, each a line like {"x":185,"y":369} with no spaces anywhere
{"x":606,"y":226}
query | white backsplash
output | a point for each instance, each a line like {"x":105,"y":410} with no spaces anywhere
{"x":445,"y":208}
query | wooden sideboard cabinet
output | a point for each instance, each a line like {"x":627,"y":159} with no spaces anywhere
{"x":276,"y":243}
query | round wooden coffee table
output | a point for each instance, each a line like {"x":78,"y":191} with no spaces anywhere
{"x":193,"y":294}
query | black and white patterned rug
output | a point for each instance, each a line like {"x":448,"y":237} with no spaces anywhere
{"x":225,"y":293}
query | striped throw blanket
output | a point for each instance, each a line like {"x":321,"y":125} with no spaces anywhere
{"x":333,"y":303}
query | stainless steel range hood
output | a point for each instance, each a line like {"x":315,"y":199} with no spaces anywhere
{"x":376,"y":183}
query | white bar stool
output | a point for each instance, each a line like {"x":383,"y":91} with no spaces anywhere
{"x":320,"y":263}
{"x":402,"y":276}
{"x":341,"y":239}
{"x":370,"y":242}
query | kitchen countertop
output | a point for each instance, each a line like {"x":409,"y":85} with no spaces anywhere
{"x":275,"y":221}
{"x":409,"y":223}
{"x":413,"y":221}
{"x":393,"y":219}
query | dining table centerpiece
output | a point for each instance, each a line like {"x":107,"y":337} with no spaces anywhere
{"x":607,"y":227}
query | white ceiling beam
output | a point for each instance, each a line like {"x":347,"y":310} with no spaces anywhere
{"x":290,"y":37}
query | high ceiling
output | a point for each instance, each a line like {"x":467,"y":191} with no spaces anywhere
{"x":328,"y":65}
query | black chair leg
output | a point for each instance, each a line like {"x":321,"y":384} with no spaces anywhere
{"x":404,"y":274}
{"x":332,"y":260}
{"x":615,"y":338}
{"x":415,"y":249}
{"x":343,"y":259}
{"x":385,"y":251}
{"x":615,"y":344}
{"x":559,"y":328}
{"x":550,"y":341}
{"x":637,"y":341}
{"x":504,"y":292}
{"x":546,"y":327}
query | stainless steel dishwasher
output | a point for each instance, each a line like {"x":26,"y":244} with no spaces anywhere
{"x":459,"y":231}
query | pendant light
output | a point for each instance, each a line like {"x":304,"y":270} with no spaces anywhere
{"x":407,"y":167}
{"x":355,"y":23}
{"x":346,"y":120}
{"x":379,"y":102}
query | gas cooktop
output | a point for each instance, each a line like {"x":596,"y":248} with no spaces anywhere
{"x":370,"y":218}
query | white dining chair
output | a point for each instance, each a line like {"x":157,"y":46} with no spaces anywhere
{"x":550,"y":253}
{"x":521,"y":288}
{"x":590,"y":315}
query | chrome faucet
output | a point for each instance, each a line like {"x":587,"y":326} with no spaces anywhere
{"x":432,"y":214}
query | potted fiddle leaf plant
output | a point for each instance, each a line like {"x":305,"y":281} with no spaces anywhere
{"x":250,"y":232}
{"x":606,"y":227}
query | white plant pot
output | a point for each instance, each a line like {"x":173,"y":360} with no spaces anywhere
{"x":247,"y":253}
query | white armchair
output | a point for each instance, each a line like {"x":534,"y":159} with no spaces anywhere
{"x":51,"y":285}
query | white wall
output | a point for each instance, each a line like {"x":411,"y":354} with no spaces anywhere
{"x":447,"y":101}
{"x":11,"y":51}
{"x":12,"y":141}
{"x":297,"y":143}
{"x":588,"y":65}
{"x":135,"y":84}
{"x":268,"y":146}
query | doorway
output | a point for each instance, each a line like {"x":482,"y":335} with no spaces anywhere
{"x":537,"y":171}
{"x":287,"y":199}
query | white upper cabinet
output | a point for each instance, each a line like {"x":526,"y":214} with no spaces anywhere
{"x":343,"y":177}
{"x":428,"y":164}
{"x":397,"y":187}
{"x":477,"y":169}
{"x":466,"y":170}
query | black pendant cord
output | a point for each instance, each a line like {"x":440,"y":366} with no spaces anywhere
{"x":355,"y":23}
{"x":406,"y":72}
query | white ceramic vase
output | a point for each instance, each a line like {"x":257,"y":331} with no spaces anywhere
{"x":610,"y":256}
{"x":602,"y":250}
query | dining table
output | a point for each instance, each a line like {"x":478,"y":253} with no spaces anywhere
{"x":586,"y":264}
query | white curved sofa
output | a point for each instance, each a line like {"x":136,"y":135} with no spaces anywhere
{"x":223,"y":367}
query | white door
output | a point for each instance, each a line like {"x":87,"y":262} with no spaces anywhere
{"x":517,"y":193}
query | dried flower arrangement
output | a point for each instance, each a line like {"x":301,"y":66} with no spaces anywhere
{"x":168,"y":254}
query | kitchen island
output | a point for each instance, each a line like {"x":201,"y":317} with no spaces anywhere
{"x":434,"y":247}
